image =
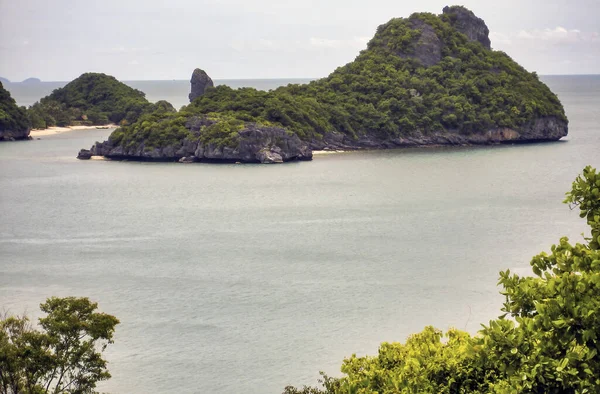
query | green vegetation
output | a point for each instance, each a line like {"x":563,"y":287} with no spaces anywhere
{"x":65,"y":356}
{"x":12,"y":117}
{"x":160,"y":129}
{"x":387,"y":92}
{"x":547,"y":340}
{"x":92,"y":99}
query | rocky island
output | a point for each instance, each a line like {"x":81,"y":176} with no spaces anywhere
{"x":423,"y":80}
{"x":14,"y":124}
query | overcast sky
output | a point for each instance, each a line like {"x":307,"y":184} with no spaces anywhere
{"x":167,"y":39}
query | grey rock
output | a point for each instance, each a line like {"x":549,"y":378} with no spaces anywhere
{"x":267,"y":156}
{"x":200,"y":82}
{"x":188,"y":147}
{"x":542,"y":129}
{"x":254,"y":139}
{"x":428,"y":49}
{"x":84,"y":154}
{"x":168,"y":151}
{"x":466,"y":22}
{"x":255,"y":144}
{"x":199,"y":152}
{"x":119,"y":151}
{"x":14,"y":135}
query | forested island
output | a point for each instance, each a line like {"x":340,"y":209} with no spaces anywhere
{"x":423,"y":80}
{"x":14,"y":124}
{"x":92,"y":99}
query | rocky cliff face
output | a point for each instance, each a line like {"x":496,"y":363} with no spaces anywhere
{"x":470,"y":25}
{"x":428,"y":50}
{"x":269,"y":145}
{"x":543,"y":129}
{"x":255,"y":144}
{"x":200,"y":82}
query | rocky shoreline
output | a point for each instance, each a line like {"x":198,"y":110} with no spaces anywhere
{"x":256,"y":145}
{"x":270,"y":145}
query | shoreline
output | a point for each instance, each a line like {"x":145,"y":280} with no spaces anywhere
{"x":328,"y":152}
{"x":59,"y":130}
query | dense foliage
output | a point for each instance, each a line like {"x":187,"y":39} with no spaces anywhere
{"x":92,"y":99}
{"x":12,"y":117}
{"x":64,"y":356}
{"x":387,"y":92}
{"x":160,"y":129}
{"x":547,"y":341}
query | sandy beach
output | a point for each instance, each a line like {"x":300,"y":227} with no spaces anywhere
{"x":327,"y":152}
{"x":58,"y":130}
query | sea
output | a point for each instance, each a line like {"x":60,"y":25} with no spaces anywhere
{"x":243,"y":278}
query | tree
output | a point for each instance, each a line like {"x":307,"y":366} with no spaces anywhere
{"x":65,"y":356}
{"x":547,"y":340}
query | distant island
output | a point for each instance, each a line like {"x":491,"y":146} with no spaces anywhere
{"x":27,"y":81}
{"x":32,"y":80}
{"x":14,"y":124}
{"x":93,"y":99}
{"x":423,"y":80}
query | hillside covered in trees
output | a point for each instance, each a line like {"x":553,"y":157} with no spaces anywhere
{"x":14,"y":124}
{"x":91,"y":99}
{"x":425,"y":79}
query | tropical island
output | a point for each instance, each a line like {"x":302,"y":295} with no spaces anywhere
{"x":93,"y":99}
{"x":423,"y":80}
{"x":14,"y":124}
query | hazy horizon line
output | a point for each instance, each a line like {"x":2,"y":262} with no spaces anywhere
{"x":259,"y":79}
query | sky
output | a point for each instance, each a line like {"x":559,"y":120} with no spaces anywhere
{"x":166,"y":39}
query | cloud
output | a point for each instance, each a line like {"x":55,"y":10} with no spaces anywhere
{"x":121,"y":50}
{"x":500,"y":38}
{"x":555,"y":50}
{"x":558,"y":35}
{"x":255,"y":45}
{"x":313,"y":43}
{"x":356,"y":42}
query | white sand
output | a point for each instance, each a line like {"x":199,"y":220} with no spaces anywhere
{"x":58,"y":130}
{"x":327,"y":152}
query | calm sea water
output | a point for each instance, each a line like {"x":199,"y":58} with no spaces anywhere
{"x":245,"y":278}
